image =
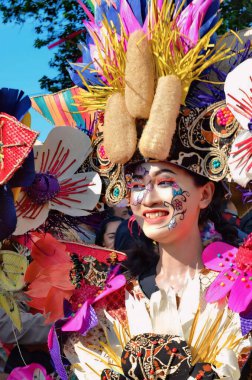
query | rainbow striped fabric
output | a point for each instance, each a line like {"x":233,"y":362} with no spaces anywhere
{"x":60,"y":109}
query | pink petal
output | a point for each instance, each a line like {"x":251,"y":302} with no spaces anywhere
{"x":130,"y":22}
{"x":29,"y":372}
{"x":114,"y":284}
{"x":220,"y":286}
{"x":190,"y":21}
{"x":160,"y":4}
{"x":219,"y":256}
{"x":80,"y":321}
{"x":241,"y":293}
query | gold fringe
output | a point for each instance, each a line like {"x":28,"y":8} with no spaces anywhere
{"x":206,"y":348}
{"x":167,"y":48}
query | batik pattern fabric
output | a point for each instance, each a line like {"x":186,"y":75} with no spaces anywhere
{"x":212,"y":332}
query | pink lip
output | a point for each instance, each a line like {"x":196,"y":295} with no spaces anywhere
{"x":158,"y":219}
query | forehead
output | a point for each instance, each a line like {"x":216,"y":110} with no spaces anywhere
{"x":112,"y":226}
{"x":153,"y":168}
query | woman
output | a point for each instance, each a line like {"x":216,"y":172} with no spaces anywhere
{"x":107,"y":230}
{"x":168,"y":297}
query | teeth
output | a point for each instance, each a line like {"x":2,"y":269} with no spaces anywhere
{"x":152,"y":215}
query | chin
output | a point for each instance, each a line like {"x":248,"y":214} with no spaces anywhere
{"x":160,"y":235}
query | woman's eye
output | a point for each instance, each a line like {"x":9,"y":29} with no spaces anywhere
{"x":165,"y":183}
{"x":137,"y":187}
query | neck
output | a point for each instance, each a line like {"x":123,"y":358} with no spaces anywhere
{"x":179,"y":260}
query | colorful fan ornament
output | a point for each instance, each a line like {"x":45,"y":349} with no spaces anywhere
{"x":12,"y":270}
{"x":56,"y":186}
{"x":234,"y":279}
{"x":59,"y":109}
{"x":64,"y":271}
{"x":16,"y":156}
{"x":238,"y":89}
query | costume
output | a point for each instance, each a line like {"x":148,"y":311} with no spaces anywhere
{"x":140,"y":76}
{"x":155,"y":313}
{"x":145,"y":60}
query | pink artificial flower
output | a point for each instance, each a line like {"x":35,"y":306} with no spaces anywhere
{"x":86,"y":318}
{"x":30,"y":372}
{"x":190,"y":21}
{"x":235,"y":277}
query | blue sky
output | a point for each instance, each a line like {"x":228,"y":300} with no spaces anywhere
{"x":22,"y":66}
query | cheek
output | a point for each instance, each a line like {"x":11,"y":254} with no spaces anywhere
{"x":136,"y":210}
{"x":108,"y":241}
{"x":137,"y":197}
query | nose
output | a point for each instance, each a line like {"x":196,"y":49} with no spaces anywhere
{"x":151,"y":197}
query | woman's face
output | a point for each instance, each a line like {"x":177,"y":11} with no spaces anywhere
{"x":165,"y":201}
{"x":109,"y":235}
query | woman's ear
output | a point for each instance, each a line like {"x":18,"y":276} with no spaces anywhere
{"x":207,"y":192}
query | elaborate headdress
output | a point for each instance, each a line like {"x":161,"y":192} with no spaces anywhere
{"x":141,"y":65}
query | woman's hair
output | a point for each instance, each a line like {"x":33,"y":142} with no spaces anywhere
{"x":103,"y":227}
{"x":135,"y":244}
{"x":140,"y":257}
{"x":215,"y":209}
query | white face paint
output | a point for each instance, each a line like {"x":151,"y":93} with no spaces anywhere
{"x":164,"y":199}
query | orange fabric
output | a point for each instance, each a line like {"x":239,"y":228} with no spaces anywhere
{"x":48,"y":286}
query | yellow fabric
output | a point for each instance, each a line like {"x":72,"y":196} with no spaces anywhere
{"x":13,"y":267}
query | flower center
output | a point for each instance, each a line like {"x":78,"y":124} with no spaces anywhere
{"x":44,"y":188}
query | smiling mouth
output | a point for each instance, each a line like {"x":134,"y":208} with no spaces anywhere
{"x":156,"y":214}
{"x":153,"y":217}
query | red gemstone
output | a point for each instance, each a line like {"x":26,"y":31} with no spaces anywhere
{"x":152,"y":372}
{"x":174,"y":350}
{"x":139,"y":354}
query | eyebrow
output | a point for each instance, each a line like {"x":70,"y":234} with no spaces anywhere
{"x":155,"y":174}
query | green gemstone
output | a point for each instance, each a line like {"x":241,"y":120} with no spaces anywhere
{"x":116,"y":192}
{"x":216,"y":164}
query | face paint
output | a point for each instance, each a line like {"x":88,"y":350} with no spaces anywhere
{"x":177,"y":206}
{"x":136,"y":184}
{"x":139,"y":195}
{"x":165,"y":200}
